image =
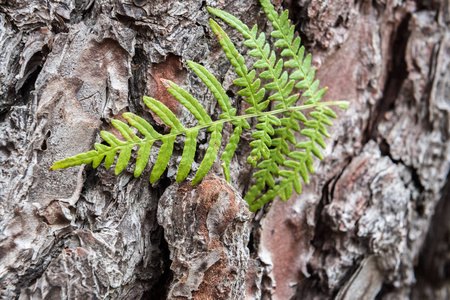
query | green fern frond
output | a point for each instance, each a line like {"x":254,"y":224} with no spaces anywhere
{"x":280,"y":169}
{"x":282,"y":84}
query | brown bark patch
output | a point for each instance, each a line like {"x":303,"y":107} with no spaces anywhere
{"x":207,"y":232}
{"x":54,"y":214}
{"x":172,"y":70}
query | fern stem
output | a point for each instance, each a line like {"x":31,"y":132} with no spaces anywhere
{"x":272,"y":72}
{"x":248,"y":116}
{"x":222,"y":121}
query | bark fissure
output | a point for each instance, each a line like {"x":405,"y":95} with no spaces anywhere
{"x":432,"y":269}
{"x":396,"y":76}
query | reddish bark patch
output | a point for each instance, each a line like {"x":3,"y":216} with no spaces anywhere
{"x":209,"y":214}
{"x":212,"y":280}
{"x":172,"y":70}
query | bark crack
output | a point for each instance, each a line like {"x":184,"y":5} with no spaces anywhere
{"x":396,"y":76}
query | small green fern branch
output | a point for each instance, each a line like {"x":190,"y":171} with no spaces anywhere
{"x":275,"y":132}
{"x":282,"y":84}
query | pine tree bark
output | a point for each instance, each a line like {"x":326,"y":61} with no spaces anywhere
{"x":373,"y":223}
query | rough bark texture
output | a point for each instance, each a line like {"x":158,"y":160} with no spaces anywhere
{"x":364,"y":228}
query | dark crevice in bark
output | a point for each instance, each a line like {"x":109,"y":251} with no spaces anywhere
{"x":255,"y":237}
{"x":322,"y":233}
{"x":203,"y":5}
{"x":127,"y":21}
{"x":44,"y":141}
{"x":333,"y":185}
{"x":27,"y":88}
{"x":91,"y":180}
{"x":26,"y":85}
{"x":136,"y":88}
{"x":385,"y":290}
{"x":428,"y":5}
{"x":385,"y":150}
{"x":32,"y":71}
{"x":397,"y":74}
{"x":266,"y":285}
{"x":252,"y":245}
{"x":58,"y":25}
{"x":433,"y":268}
{"x":327,"y":198}
{"x":3,"y":114}
{"x":312,"y":283}
{"x":324,"y":200}
{"x":137,"y":82}
{"x":163,"y":184}
{"x":160,"y":288}
{"x":416,"y":179}
{"x":427,"y":123}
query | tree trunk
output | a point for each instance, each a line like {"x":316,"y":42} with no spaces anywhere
{"x":364,"y":228}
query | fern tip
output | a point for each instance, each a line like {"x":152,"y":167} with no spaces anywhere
{"x":226,"y":172}
{"x":344,"y":105}
{"x":166,"y":83}
{"x":196,"y":180}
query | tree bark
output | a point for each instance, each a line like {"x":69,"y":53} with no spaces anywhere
{"x":372,"y":224}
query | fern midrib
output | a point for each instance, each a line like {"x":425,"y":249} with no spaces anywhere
{"x":272,"y":72}
{"x":249,"y":85}
{"x":221,"y":121}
